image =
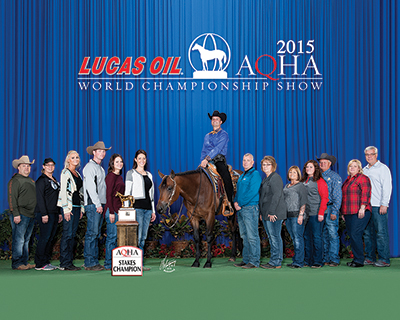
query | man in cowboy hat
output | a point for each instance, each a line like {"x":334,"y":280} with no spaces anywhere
{"x":94,"y":187}
{"x":214,"y":150}
{"x":330,"y":235}
{"x":22,"y":201}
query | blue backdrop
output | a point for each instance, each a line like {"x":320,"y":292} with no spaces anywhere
{"x":354,"y":45}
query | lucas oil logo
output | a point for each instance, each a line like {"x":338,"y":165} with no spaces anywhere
{"x":293,"y":67}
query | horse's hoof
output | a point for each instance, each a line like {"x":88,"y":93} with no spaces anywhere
{"x":207,"y":265}
{"x":195,"y":264}
{"x":232,"y":259}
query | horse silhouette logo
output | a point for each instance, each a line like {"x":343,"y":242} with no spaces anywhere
{"x":213,"y":56}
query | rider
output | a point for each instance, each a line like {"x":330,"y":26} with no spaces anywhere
{"x":214,"y":150}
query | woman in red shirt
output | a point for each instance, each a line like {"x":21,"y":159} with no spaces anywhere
{"x":317,"y":200}
{"x":356,"y":209}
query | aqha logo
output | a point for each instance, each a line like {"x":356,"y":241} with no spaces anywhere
{"x":127,"y":253}
{"x":209,"y":55}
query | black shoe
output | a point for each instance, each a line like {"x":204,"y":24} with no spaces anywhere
{"x":249,"y":266}
{"x":355,"y":264}
{"x":334,"y":264}
{"x":70,"y":268}
{"x":316,"y":266}
{"x":295,"y":266}
{"x":241,"y":264}
{"x":289,"y":265}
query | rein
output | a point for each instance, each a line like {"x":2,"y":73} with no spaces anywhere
{"x":180,"y":210}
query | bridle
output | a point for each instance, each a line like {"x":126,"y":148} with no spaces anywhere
{"x":180,"y":210}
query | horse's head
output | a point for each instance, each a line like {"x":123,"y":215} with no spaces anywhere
{"x":169,"y":192}
{"x":196,"y":47}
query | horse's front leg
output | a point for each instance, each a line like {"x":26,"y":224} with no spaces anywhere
{"x":196,"y":237}
{"x":210,"y":240}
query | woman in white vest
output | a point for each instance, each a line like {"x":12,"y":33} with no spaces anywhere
{"x":139,"y":184}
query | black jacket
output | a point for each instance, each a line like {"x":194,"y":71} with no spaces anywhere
{"x":47,"y":195}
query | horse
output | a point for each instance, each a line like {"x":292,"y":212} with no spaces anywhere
{"x":201,"y":204}
{"x":206,"y":55}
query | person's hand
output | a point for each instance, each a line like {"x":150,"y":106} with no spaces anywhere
{"x":60,"y":218}
{"x":204,"y":163}
{"x":333,"y":217}
{"x":153,"y":216}
{"x":45,"y":219}
{"x":361,"y":213}
{"x":272,"y":217}
{"x":99,"y":210}
{"x":383,"y":210}
{"x":112,"y":217}
{"x":67,"y":216}
{"x":80,"y":217}
{"x":237,"y":206}
{"x":17,"y":219}
{"x":300,"y":219}
{"x":320,"y":218}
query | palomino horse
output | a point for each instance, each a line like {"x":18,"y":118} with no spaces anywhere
{"x":200,"y":202}
{"x":206,"y":55}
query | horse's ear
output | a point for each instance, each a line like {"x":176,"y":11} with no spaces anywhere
{"x":160,"y":174}
{"x":172,"y":174}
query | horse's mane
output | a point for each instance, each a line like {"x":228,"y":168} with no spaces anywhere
{"x":198,"y":170}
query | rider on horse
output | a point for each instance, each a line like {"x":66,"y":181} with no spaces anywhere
{"x":214,"y":151}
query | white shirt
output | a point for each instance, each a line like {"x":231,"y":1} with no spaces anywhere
{"x":381,"y":182}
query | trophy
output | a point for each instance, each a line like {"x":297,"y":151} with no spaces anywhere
{"x":126,"y":213}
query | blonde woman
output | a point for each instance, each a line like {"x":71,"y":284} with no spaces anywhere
{"x":71,"y":201}
{"x":356,"y":209}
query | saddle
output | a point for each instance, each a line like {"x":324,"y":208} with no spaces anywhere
{"x":218,"y":186}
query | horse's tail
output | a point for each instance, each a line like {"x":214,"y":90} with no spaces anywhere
{"x":224,"y":58}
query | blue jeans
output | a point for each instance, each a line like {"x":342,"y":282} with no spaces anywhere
{"x":94,"y":222}
{"x":143,"y":216}
{"x":111,"y":240}
{"x":376,"y":235}
{"x":296,"y":231}
{"x":248,"y":227}
{"x":273,"y":230}
{"x":355,"y":229}
{"x":44,"y":245}
{"x":68,"y":238}
{"x":331,"y":238}
{"x":313,"y":241}
{"x":21,"y":234}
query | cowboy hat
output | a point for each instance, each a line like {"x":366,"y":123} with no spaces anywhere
{"x":23,"y":159}
{"x":221,"y":115}
{"x":98,"y":145}
{"x":327,"y":157}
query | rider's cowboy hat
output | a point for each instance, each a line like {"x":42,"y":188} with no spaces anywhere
{"x":327,"y":157}
{"x":99,"y":145}
{"x":23,"y":159}
{"x":221,"y":115}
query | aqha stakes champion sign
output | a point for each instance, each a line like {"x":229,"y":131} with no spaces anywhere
{"x":127,"y":261}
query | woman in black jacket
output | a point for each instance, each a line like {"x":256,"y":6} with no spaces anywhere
{"x":48,"y":214}
{"x":273,"y":210}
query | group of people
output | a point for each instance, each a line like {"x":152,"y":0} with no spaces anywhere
{"x":51,"y":201}
{"x":309,"y":205}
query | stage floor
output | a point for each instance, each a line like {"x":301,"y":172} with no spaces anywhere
{"x":223,"y":292}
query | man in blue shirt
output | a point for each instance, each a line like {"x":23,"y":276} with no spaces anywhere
{"x":214,"y":150}
{"x":246,"y":204}
{"x":330,"y":234}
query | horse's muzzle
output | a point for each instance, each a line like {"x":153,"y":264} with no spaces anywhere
{"x":162,"y":207}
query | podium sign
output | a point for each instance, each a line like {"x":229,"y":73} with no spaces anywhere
{"x":127,"y":261}
{"x":126,"y":214}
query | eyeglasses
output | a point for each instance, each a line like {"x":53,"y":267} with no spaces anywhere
{"x":267,"y":164}
{"x":370,"y":154}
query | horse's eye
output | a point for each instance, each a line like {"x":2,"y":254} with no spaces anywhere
{"x":169,"y":188}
